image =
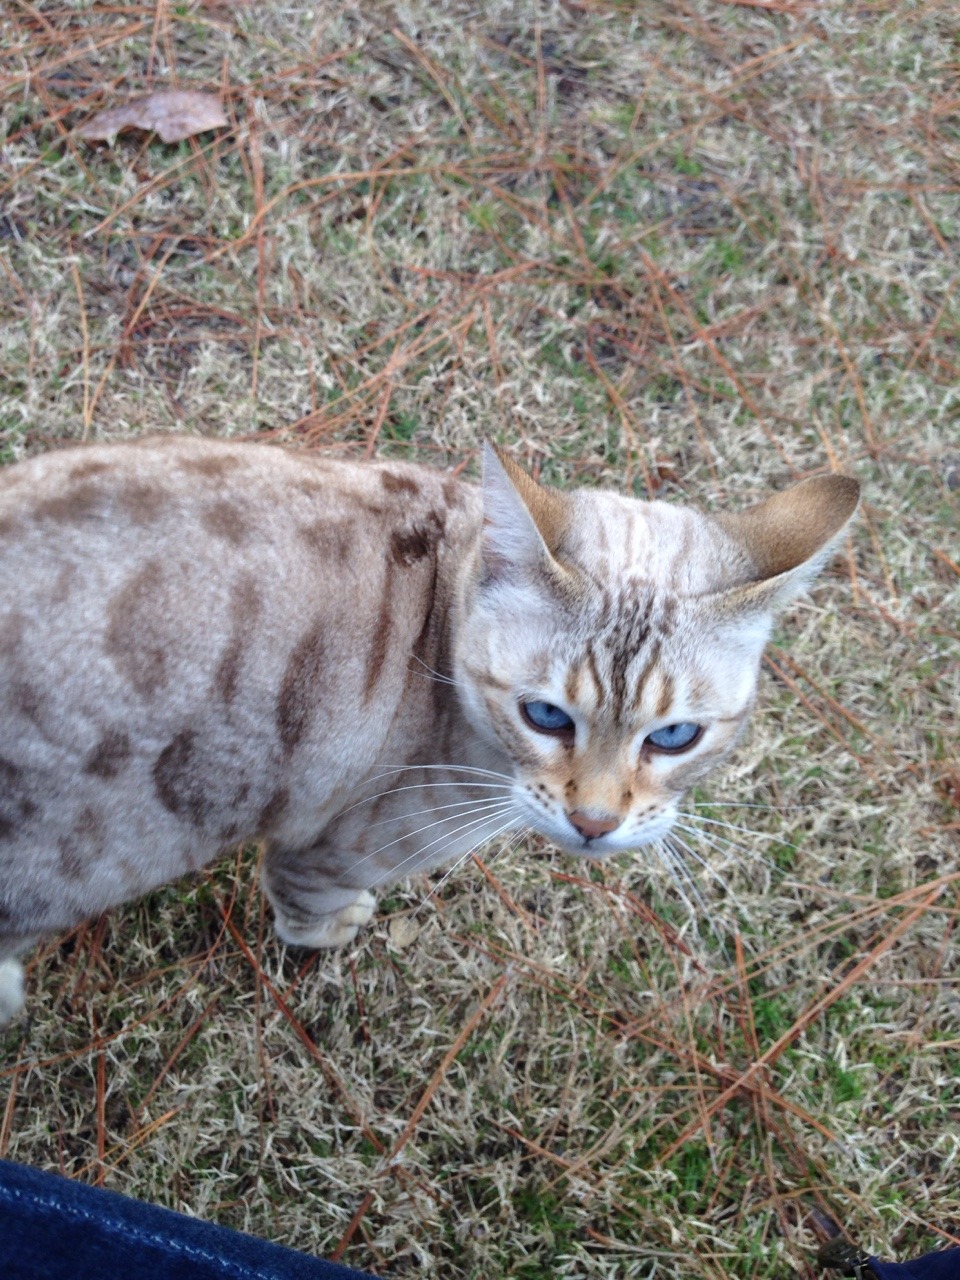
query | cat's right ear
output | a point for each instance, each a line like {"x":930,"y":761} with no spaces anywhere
{"x":522,"y":521}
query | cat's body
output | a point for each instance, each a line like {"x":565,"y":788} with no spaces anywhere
{"x":203,"y":642}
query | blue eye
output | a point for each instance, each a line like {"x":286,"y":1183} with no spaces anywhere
{"x":675,"y":737}
{"x":547,"y":718}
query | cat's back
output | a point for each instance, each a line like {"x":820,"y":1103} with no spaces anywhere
{"x":188,"y":499}
{"x":181,"y":618}
{"x":146,"y":553}
{"x":155,"y":489}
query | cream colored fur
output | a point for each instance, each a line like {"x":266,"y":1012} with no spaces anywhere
{"x":203,"y":642}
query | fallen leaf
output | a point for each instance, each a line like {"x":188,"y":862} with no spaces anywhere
{"x":172,"y":113}
{"x":403,"y":932}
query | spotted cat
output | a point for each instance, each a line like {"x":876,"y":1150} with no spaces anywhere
{"x":371,"y":667}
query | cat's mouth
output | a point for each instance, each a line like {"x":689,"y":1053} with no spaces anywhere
{"x":625,"y":838}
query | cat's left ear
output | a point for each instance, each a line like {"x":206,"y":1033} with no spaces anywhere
{"x":789,"y":539}
{"x":522,"y":521}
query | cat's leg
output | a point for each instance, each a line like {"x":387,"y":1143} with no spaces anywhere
{"x":11,"y":990}
{"x":11,"y":977}
{"x":312,"y":906}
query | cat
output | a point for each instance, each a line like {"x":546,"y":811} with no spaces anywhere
{"x":371,"y":667}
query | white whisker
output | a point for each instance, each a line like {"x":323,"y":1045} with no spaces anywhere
{"x":744,"y":804}
{"x":726,"y":845}
{"x":446,"y":768}
{"x":441,"y":679}
{"x":421,"y":786}
{"x":494,"y":806}
{"x":448,"y":835}
{"x":712,"y":872}
{"x":670,"y":863}
{"x":692,"y":885}
{"x":744,"y":831}
{"x":459,"y":863}
{"x":709,"y":917}
{"x":437,"y":808}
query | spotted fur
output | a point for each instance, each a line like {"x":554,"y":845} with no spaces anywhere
{"x":204,"y":642}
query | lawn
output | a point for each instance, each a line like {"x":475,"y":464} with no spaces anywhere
{"x":692,"y":250}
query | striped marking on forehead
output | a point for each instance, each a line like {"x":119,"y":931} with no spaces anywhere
{"x":616,"y":538}
{"x":618,"y":663}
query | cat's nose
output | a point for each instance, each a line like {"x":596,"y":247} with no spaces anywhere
{"x":589,"y":827}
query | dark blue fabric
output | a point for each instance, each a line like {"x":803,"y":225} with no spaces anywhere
{"x":54,"y":1229}
{"x":944,"y":1265}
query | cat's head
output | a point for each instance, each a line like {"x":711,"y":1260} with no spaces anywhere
{"x":611,"y":647}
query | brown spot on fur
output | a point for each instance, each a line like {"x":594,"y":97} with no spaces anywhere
{"x":82,"y":502}
{"x":398,"y":484}
{"x":297,"y":699}
{"x":8,"y":526}
{"x":381,"y":635}
{"x":667,"y":622}
{"x":227,"y":675}
{"x":16,"y":806}
{"x":90,"y":467}
{"x":226,"y":521}
{"x":130,"y":875}
{"x":329,"y":539}
{"x":178,"y":782}
{"x":27,"y":701}
{"x":82,"y":847}
{"x":109,"y":755}
{"x":429,"y":648}
{"x":273,"y":811}
{"x":61,"y":588}
{"x":453,"y":493}
{"x":213,"y":466}
{"x":12,"y":628}
{"x":419,"y":541}
{"x":143,"y":503}
{"x":245,"y":606}
{"x":29,"y":915}
{"x":10,"y":775}
{"x":133,"y":638}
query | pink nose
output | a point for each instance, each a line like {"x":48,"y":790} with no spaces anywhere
{"x":590,"y":828}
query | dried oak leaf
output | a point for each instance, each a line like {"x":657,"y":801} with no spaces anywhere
{"x":172,"y":113}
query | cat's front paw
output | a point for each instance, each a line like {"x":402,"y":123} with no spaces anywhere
{"x":11,"y":990}
{"x":334,"y":929}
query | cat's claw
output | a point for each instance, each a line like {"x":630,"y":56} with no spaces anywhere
{"x":11,"y":990}
{"x":335,"y":929}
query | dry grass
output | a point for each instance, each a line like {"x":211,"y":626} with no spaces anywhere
{"x":694,"y":249}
